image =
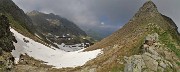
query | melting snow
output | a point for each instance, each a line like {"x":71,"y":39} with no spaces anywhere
{"x":53,"y":56}
{"x":70,"y":48}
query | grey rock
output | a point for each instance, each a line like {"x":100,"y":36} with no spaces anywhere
{"x":168,"y":55}
{"x":160,"y":69}
{"x":153,"y":37}
{"x":150,"y":62}
{"x":155,"y":57}
{"x":128,"y":65}
{"x":162,"y":64}
{"x":92,"y":70}
{"x":168,"y":63}
{"x":134,"y":64}
{"x":152,"y":51}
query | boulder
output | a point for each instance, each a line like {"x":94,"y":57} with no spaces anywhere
{"x":162,"y":64}
{"x":134,"y":64}
{"x":93,"y":70}
{"x":152,"y":51}
{"x":150,"y":62}
{"x":152,"y":38}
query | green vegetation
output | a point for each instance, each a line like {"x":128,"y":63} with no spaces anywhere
{"x":117,"y":69}
{"x":18,"y":19}
{"x":22,"y":28}
{"x":137,"y":49}
{"x":4,"y":62}
{"x":2,"y":68}
{"x":178,"y":63}
{"x":174,"y":49}
{"x":16,"y":25}
{"x":2,"y":65}
{"x":166,"y":39}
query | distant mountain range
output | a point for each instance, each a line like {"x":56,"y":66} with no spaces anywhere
{"x":55,"y":28}
{"x":149,"y":42}
{"x":51,"y":23}
{"x":46,"y":30}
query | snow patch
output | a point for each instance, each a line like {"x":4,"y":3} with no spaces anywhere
{"x":51,"y":55}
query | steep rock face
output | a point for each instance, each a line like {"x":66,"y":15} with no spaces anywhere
{"x":6,"y":45}
{"x":127,"y":41}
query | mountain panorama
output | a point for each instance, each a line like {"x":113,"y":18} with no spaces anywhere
{"x":41,"y":42}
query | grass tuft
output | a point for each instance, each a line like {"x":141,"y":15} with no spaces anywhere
{"x":166,"y":39}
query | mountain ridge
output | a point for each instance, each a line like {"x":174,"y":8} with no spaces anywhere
{"x":9,"y":8}
{"x":52,"y":16}
{"x":58,"y":29}
{"x":142,"y":18}
{"x":128,"y":40}
{"x":149,"y":42}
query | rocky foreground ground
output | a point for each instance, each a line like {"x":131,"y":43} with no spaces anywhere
{"x":155,"y":57}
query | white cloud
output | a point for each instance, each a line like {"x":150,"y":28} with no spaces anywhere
{"x":102,"y":23}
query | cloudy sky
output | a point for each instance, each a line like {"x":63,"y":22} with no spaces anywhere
{"x":106,"y":16}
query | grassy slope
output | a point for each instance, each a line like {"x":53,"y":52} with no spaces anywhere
{"x":131,"y":37}
{"x":23,"y":30}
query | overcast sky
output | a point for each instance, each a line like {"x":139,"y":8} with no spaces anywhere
{"x":105,"y":15}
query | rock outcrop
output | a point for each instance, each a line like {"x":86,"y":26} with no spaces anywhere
{"x":6,"y":45}
{"x":152,"y":59}
{"x":6,"y":37}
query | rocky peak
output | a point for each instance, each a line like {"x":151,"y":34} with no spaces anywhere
{"x":149,"y":9}
{"x":149,"y":6}
{"x":128,"y":40}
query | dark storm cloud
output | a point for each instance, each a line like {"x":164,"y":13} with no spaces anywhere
{"x":103,"y":14}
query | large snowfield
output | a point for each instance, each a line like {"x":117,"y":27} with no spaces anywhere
{"x":52,"y":56}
